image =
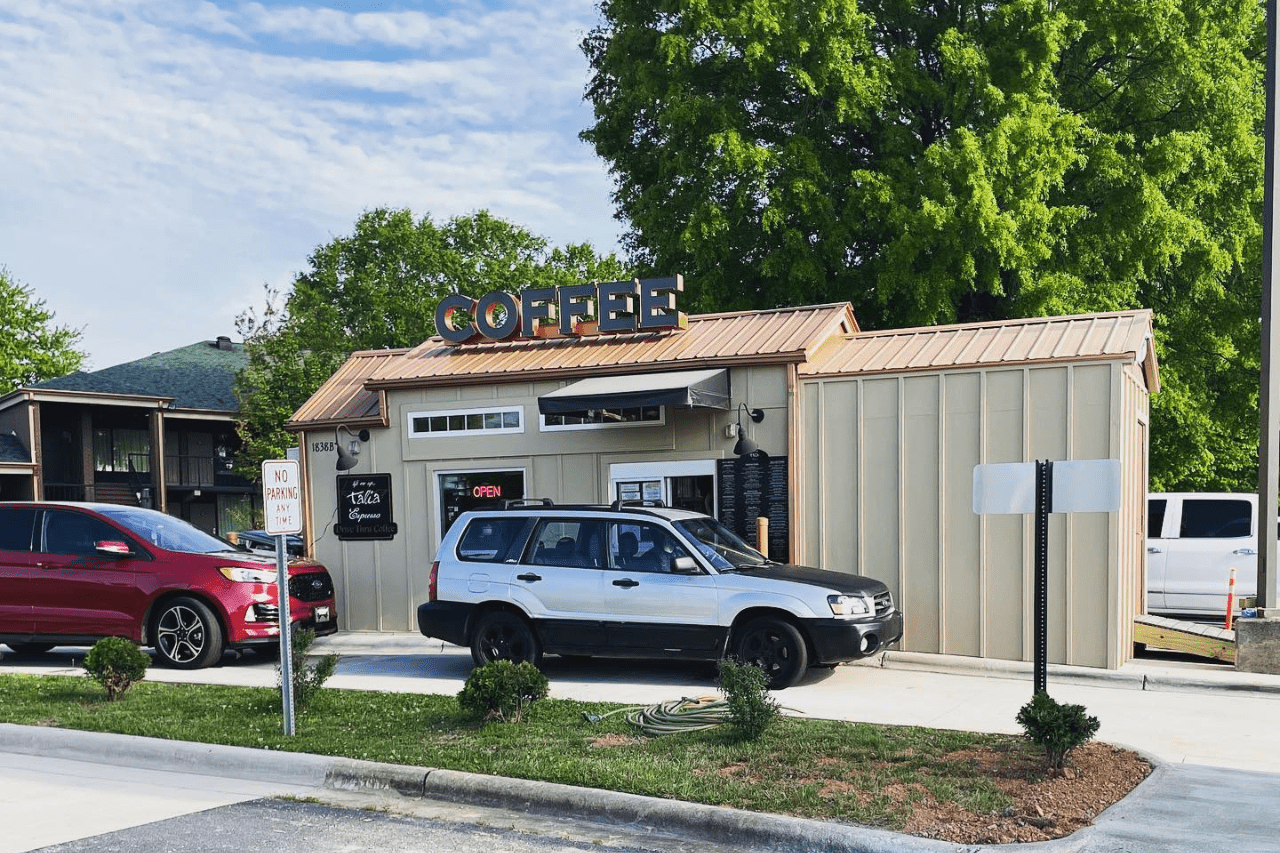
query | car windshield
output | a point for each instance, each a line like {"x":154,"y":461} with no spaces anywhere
{"x":724,"y":548}
{"x":165,"y":531}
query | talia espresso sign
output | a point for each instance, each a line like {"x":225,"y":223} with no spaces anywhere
{"x":364,"y":507}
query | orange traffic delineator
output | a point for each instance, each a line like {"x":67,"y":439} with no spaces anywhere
{"x":1231,"y":597}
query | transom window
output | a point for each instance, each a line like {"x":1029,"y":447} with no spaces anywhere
{"x":454,"y":422}
{"x":602,"y":418}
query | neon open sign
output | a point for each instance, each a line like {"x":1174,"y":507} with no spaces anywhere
{"x":647,"y":304}
{"x":486,"y":492}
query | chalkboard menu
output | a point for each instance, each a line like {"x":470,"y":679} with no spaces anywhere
{"x":753,"y":486}
{"x":364,"y":507}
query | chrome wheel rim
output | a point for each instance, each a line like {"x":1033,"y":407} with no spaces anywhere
{"x":180,"y":634}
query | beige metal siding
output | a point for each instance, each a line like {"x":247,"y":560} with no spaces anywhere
{"x":920,"y":472}
{"x":1006,"y":546}
{"x":879,"y":500}
{"x":960,"y":562}
{"x":964,"y":581}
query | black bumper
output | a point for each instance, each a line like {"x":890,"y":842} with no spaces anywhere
{"x":836,"y":641}
{"x":445,"y":620}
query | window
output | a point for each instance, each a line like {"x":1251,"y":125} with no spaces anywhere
{"x":487,"y":540}
{"x":76,"y":533}
{"x":642,"y":548}
{"x":16,"y":525}
{"x":466,"y":490}
{"x":604,"y":418}
{"x":457,"y":422}
{"x":574,"y":544}
{"x":1214,"y":519}
{"x":1155,"y":518}
{"x":115,"y":448}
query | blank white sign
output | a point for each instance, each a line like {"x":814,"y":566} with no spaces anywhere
{"x":1082,"y":485}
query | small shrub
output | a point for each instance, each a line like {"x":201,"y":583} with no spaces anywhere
{"x":308,"y":678}
{"x":1056,"y":728}
{"x":751,"y":709}
{"x":116,"y":663}
{"x":502,"y":690}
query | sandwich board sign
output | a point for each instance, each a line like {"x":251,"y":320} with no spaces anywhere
{"x":1042,"y":487}
{"x":282,"y":515}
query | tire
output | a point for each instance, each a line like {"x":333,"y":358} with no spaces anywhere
{"x":29,"y":648}
{"x":775,"y":646}
{"x":186,"y":634}
{"x":501,"y":635}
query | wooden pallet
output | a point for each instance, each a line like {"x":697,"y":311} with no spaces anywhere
{"x":1193,"y":638}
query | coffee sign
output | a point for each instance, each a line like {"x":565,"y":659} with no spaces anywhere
{"x":364,"y":507}
{"x":647,"y":304}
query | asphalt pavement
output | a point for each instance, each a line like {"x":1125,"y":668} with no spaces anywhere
{"x":1210,"y":732}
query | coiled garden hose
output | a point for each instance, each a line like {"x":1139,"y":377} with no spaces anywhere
{"x":681,"y":715}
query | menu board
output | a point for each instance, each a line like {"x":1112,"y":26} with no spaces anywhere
{"x":754,"y":486}
{"x":364,"y":507}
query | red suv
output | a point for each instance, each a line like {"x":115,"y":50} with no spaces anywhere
{"x":72,"y":573}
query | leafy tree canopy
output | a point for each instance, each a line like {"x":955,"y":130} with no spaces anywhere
{"x":378,"y":288}
{"x":938,"y":161}
{"x":31,"y":348}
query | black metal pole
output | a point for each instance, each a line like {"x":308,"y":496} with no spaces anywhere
{"x":1044,"y":506}
{"x":1269,"y":397}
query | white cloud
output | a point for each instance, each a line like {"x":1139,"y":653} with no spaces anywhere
{"x":164,"y":158}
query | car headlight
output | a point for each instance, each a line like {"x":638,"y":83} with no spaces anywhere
{"x":848,"y":605}
{"x":240,"y":574}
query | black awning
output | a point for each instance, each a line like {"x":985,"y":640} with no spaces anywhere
{"x":708,"y":389}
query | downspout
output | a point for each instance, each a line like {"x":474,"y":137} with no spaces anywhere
{"x":794,"y":465}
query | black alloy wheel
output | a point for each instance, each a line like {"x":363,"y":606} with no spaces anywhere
{"x":776,"y":647}
{"x":504,"y":636}
{"x":186,"y":634}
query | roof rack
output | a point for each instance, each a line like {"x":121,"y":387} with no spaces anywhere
{"x":520,"y":503}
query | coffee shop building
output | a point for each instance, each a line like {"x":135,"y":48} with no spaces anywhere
{"x":858,"y":448}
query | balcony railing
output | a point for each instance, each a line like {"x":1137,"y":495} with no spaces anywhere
{"x":188,"y":470}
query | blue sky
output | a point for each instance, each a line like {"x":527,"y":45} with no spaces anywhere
{"x":162,"y":160}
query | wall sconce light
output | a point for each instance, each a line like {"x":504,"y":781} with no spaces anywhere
{"x":347,"y":455}
{"x":745,"y":446}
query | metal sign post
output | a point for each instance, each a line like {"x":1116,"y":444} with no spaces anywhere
{"x":1022,"y":488}
{"x":1044,"y":506}
{"x":282,"y":506}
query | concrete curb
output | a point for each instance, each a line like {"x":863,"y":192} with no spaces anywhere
{"x":670,"y":817}
{"x":1228,"y":680}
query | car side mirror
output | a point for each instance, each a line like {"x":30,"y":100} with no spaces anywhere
{"x":112,"y":548}
{"x":684,"y":566}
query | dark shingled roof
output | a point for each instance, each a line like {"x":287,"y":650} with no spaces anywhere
{"x":199,"y":376}
{"x":11,"y":450}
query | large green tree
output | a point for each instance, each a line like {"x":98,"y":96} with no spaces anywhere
{"x":378,"y":288}
{"x":32,"y":349}
{"x":936,"y":161}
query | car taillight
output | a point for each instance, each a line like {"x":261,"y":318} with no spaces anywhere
{"x":431,"y":584}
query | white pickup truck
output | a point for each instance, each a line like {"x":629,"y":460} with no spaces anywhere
{"x":1193,"y":542}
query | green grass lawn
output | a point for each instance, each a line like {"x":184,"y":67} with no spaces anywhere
{"x":811,"y":768}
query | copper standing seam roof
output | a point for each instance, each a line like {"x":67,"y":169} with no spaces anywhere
{"x":1036,"y":340}
{"x":780,"y":336}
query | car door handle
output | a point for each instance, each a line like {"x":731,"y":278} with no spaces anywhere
{"x":1155,"y":550}
{"x":529,"y":576}
{"x":1248,"y":552}
{"x":627,"y":582}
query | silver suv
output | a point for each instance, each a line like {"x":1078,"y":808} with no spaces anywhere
{"x":636,"y":580}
